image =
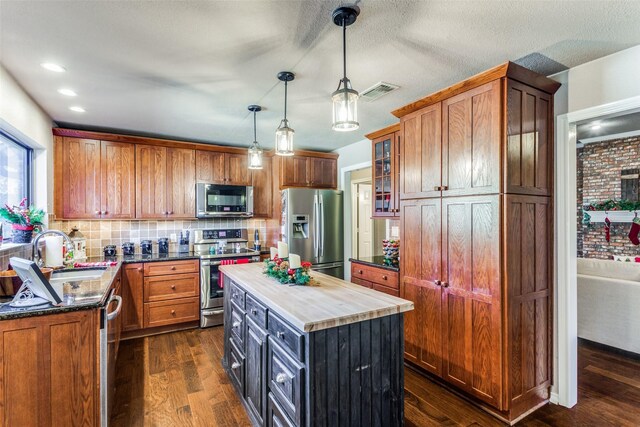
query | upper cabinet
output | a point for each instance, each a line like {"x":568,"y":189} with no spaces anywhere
{"x":222,"y":168}
{"x":309,"y":171}
{"x":97,"y":179}
{"x":386,"y":171}
{"x":166,"y":182}
{"x":262,"y":181}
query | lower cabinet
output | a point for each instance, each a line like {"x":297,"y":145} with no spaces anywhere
{"x":49,"y":370}
{"x":290,"y":378}
{"x":376,"y":278}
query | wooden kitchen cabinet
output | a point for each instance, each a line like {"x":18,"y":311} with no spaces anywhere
{"x":476,"y":168}
{"x":49,"y":373}
{"x":215,"y":167}
{"x":378,"y":278}
{"x":262,"y":182}
{"x":97,"y":179}
{"x":308,"y":171}
{"x":385,"y":171}
{"x":165,"y":178}
{"x":132,"y":297}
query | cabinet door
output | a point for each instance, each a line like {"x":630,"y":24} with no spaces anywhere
{"x":471,"y":135}
{"x":396,"y":179}
{"x":471,"y":298}
{"x":262,"y":181}
{"x":421,"y":274}
{"x":421,"y":153}
{"x":49,"y":372}
{"x":529,"y":153}
{"x":151,"y":181}
{"x":117,"y":165}
{"x":256,"y":359}
{"x":323,"y":172}
{"x":383,"y":176}
{"x":210,"y":167}
{"x":237,"y":169}
{"x":81,"y":178}
{"x":132,"y":297}
{"x":295,"y":171}
{"x":181,"y":183}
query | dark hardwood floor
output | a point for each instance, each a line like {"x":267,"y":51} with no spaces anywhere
{"x":177,"y":379}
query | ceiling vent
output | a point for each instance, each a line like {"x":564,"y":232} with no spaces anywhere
{"x":377,"y":90}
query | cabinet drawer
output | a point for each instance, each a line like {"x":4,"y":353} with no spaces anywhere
{"x":237,"y":295}
{"x":285,"y":378}
{"x":276,"y":416}
{"x":256,"y":311}
{"x":160,"y":288}
{"x":171,"y":267}
{"x":376,"y":275}
{"x":290,"y":339}
{"x":361,"y":282}
{"x":161,"y":313}
{"x":237,"y":324}
{"x":386,"y":290}
{"x":236,"y":368}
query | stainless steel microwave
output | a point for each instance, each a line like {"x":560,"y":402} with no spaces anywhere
{"x":214,"y":200}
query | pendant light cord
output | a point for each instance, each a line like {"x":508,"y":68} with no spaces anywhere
{"x":285,"y":100}
{"x":344,"y":50}
{"x":255,"y":137}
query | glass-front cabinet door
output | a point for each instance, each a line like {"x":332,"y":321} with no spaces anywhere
{"x":384,"y":176}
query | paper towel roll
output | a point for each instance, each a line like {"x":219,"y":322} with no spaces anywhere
{"x":53,"y":251}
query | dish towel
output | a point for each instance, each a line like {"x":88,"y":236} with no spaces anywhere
{"x":95,"y":264}
{"x":220,"y":279}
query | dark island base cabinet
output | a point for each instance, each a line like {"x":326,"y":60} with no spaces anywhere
{"x":347,"y":375}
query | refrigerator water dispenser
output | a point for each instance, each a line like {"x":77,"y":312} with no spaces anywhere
{"x":300,"y":226}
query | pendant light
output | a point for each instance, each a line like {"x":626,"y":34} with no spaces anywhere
{"x":284,"y":134}
{"x":345,"y":99}
{"x":255,"y":151}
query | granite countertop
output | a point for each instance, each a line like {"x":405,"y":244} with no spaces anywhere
{"x":77,"y":295}
{"x":155,"y":257}
{"x":333,"y":302}
{"x":378,"y":261}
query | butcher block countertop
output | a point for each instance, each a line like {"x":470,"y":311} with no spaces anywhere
{"x":332,"y":302}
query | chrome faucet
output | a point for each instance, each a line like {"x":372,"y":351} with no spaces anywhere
{"x":37,"y":256}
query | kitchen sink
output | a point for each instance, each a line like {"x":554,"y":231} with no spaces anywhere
{"x":75,"y":275}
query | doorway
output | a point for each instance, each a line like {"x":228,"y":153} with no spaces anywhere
{"x":363,"y":224}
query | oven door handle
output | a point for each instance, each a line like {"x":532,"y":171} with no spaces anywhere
{"x":212,"y":312}
{"x":114,"y":313}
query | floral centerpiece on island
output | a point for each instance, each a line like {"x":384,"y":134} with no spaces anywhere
{"x":289,"y":269}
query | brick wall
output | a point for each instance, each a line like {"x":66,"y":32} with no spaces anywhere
{"x":598,"y":179}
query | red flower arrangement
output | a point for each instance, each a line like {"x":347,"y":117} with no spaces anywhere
{"x":280,"y":270}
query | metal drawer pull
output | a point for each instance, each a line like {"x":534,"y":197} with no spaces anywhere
{"x":173,"y":312}
{"x":254,"y":311}
{"x":236,"y":324}
{"x":437,"y":282}
{"x":281,"y":378}
{"x":173,"y":287}
{"x":280,"y":334}
{"x":235,"y":365}
{"x":359,"y":271}
{"x":445,"y":284}
{"x":437,"y":188}
{"x":384,"y":277}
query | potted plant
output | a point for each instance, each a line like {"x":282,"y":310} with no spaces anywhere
{"x":23,"y":219}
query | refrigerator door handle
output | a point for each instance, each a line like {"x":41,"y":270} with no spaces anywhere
{"x":321,"y":231}
{"x":316,"y":227}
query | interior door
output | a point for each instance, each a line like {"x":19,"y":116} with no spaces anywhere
{"x":181,"y":183}
{"x":81,"y":178}
{"x":421,"y":237}
{"x":117,"y":165}
{"x":471,"y":312}
{"x":365,"y":223}
{"x":471,"y":136}
{"x":331,"y":226}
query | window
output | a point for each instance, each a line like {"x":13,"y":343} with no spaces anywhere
{"x":15,"y":173}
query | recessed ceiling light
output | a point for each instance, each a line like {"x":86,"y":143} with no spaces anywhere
{"x":595,"y":127}
{"x":53,"y":67}
{"x":67,"y":92}
{"x":77,"y":109}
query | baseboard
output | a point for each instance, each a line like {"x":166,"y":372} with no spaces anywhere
{"x":554,"y":398}
{"x":147,"y":332}
{"x":610,"y":349}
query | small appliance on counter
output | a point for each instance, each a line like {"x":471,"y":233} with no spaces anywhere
{"x":256,"y":241}
{"x":163,"y":246}
{"x":146,"y":247}
{"x":109,"y":251}
{"x":128,"y":248}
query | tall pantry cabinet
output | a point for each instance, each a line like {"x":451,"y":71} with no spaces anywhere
{"x":476,"y":173}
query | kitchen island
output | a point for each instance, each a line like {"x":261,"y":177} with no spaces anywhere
{"x":322,"y":355}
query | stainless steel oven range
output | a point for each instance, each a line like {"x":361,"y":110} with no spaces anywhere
{"x":216,"y":248}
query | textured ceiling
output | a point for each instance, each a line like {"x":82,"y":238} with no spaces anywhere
{"x":189,"y":69}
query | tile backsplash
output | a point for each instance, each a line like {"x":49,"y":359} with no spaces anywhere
{"x":9,"y":250}
{"x":102,"y":233}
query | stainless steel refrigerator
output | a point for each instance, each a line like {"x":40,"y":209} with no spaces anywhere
{"x":312,"y":225}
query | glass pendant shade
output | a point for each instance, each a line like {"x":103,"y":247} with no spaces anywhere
{"x":255,"y":156}
{"x":284,"y":139}
{"x":345,"y":108}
